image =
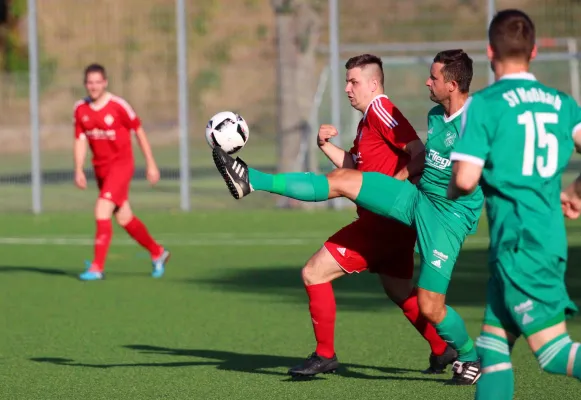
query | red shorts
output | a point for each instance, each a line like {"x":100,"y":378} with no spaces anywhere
{"x":375,"y":243}
{"x":114,"y":182}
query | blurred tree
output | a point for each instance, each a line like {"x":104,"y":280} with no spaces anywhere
{"x":298,"y":24}
{"x":13,"y":50}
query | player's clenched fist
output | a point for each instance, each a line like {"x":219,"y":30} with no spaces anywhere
{"x":570,"y":203}
{"x":80,"y":179}
{"x":152,"y":174}
{"x":326,"y":132}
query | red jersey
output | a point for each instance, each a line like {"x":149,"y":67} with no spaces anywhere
{"x":107,"y":128}
{"x":382,"y":134}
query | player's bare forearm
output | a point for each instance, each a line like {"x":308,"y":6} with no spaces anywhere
{"x":417,"y":153}
{"x":79,"y":153}
{"x":338,"y":156}
{"x":145,"y":147}
{"x":465,"y":178}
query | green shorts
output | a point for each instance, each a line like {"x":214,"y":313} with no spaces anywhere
{"x":440,"y":236}
{"x":526,"y":292}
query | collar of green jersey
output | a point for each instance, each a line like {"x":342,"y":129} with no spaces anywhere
{"x":527,"y":76}
{"x":453,"y":116}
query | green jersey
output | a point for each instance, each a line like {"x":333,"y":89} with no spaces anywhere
{"x":521,"y":132}
{"x":443,"y":133}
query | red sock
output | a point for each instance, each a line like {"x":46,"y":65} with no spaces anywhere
{"x":102,"y":241}
{"x":137,"y":230}
{"x":412,"y":312}
{"x":323,"y":310}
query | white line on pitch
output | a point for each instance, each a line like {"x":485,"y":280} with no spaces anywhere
{"x":202,"y":240}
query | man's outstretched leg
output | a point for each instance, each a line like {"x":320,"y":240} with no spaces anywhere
{"x":318,"y":273}
{"x":306,"y":186}
{"x":138,"y":231}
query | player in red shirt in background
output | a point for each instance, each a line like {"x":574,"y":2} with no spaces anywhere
{"x":106,"y":122}
{"x":386,"y":143}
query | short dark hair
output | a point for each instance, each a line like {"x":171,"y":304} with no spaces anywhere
{"x":91,"y":68}
{"x":457,"y":67}
{"x":512,"y":35}
{"x":364,"y":60}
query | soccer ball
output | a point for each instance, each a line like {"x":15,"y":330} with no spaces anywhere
{"x":228,"y":131}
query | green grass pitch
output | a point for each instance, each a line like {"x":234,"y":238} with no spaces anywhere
{"x":228,"y":319}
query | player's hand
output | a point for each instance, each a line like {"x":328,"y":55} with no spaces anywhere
{"x":80,"y":180}
{"x":326,"y":132}
{"x":152,"y":174}
{"x":570,"y":203}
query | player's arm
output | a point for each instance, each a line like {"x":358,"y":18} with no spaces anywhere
{"x":571,"y":196}
{"x":397,"y":130}
{"x":133,"y":123}
{"x":151,"y":166}
{"x":338,"y":156}
{"x":417,"y":152}
{"x":465,"y":177}
{"x":79,"y":153}
{"x":470,"y":152}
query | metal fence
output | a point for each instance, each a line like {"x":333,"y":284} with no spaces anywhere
{"x":180,"y":61}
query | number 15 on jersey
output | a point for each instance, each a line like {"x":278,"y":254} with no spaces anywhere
{"x":537,"y":138}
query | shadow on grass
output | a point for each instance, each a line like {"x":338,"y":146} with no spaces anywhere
{"x":9,"y":269}
{"x":22,"y":269}
{"x":240,"y":362}
{"x":363,"y":291}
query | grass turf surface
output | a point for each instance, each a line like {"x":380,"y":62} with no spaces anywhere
{"x":226,"y":321}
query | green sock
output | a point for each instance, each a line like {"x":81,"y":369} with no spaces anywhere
{"x":260,"y":180}
{"x":561,"y":356}
{"x":497,"y":380}
{"x":453,"y":330}
{"x":304,"y":186}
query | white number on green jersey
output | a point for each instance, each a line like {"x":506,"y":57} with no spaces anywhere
{"x":537,"y":137}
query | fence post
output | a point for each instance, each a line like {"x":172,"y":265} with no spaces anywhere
{"x":182,"y":72}
{"x":491,"y":11}
{"x":574,"y":68}
{"x":33,"y":72}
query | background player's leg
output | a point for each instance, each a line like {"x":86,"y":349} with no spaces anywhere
{"x":403,"y":293}
{"x":104,"y":231}
{"x":494,"y":348}
{"x":318,"y":273}
{"x":138,"y":231}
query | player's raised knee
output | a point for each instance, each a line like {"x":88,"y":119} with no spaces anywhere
{"x":321,"y":268}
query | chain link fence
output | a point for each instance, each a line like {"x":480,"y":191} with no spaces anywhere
{"x":232,"y":65}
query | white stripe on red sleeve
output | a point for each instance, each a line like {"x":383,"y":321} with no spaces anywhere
{"x":128,"y":109}
{"x":78,"y":104}
{"x":383,"y":114}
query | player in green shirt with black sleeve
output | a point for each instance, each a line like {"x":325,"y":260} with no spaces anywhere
{"x":516,"y":140}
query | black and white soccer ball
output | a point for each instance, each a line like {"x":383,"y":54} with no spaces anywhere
{"x":227,"y":130}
